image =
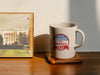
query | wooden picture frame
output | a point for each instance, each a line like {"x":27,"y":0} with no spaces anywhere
{"x":16,"y":34}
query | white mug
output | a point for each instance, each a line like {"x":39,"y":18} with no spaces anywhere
{"x":63,"y":38}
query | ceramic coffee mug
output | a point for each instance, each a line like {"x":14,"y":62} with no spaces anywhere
{"x":63,"y":38}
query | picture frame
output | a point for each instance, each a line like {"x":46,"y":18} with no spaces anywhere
{"x":16,"y":34}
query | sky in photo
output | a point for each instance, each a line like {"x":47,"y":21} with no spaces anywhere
{"x":15,"y":21}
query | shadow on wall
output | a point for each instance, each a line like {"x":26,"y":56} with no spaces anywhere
{"x":83,"y":12}
{"x":42,"y":43}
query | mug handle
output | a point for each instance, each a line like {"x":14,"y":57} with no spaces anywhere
{"x":83,"y":38}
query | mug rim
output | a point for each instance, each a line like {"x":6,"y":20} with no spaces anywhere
{"x":58,"y":25}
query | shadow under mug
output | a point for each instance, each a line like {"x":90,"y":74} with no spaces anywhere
{"x":63,"y":38}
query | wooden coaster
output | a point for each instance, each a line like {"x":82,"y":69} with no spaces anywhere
{"x":76,"y":59}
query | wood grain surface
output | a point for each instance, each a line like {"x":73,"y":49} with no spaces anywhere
{"x":39,"y":66}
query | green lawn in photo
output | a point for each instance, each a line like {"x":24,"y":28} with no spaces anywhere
{"x":14,"y":52}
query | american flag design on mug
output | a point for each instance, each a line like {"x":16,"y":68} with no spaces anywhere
{"x":61,"y":42}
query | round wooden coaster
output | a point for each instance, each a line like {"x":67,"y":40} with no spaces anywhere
{"x":76,"y":59}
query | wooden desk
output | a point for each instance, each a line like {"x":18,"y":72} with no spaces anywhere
{"x":39,"y":66}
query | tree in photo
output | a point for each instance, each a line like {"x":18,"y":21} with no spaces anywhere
{"x":22,"y":38}
{"x":1,"y":40}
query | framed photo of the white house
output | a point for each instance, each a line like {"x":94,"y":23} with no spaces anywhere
{"x":16,"y":34}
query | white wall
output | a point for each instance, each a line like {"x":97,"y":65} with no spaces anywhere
{"x":83,"y":12}
{"x":46,"y":12}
